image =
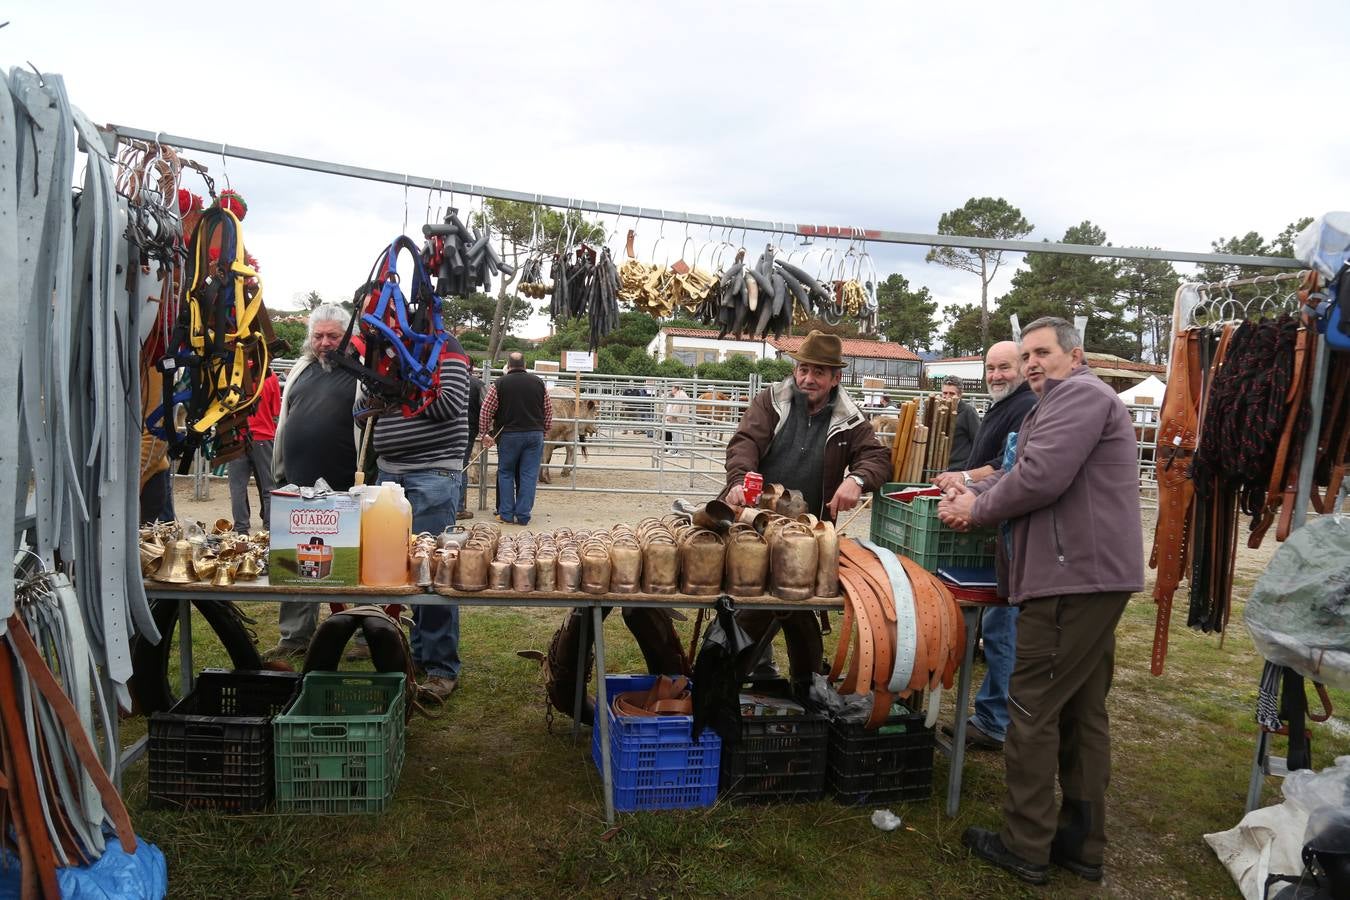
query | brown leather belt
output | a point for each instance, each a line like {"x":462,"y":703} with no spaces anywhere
{"x":666,"y":697}
{"x":37,"y":848}
{"x":1178,"y":435}
{"x":870,"y":629}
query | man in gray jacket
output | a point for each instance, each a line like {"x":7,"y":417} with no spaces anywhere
{"x":1072,"y":500}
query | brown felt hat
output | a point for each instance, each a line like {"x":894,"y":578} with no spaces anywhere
{"x":821,"y":349}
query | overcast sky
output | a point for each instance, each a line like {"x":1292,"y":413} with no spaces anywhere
{"x":1166,"y":124}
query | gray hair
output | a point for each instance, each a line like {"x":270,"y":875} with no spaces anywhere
{"x":515,"y":360}
{"x":326,"y":312}
{"x":954,"y":381}
{"x":320,"y":315}
{"x":1065,"y":334}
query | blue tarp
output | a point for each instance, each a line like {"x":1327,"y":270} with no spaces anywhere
{"x":117,"y":875}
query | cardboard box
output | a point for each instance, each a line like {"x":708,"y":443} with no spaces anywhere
{"x":315,"y":541}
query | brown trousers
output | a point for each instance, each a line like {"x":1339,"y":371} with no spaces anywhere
{"x":1057,"y":707}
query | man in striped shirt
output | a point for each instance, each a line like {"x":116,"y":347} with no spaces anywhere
{"x":425,"y":454}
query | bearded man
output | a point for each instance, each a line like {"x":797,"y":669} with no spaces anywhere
{"x":315,"y":439}
{"x":1013,"y":399}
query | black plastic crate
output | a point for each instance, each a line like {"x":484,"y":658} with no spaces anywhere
{"x":213,"y":749}
{"x":778,"y":759}
{"x":892,"y":763}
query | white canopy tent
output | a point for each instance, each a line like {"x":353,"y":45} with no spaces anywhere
{"x":1148,"y":392}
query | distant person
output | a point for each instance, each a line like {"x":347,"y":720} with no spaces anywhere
{"x":257,"y":459}
{"x":517,"y":410}
{"x":676,"y":417}
{"x":315,"y":439}
{"x":967,"y":423}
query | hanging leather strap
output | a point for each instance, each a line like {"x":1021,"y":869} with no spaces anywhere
{"x":50,"y":689}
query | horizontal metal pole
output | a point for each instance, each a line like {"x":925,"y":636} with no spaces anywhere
{"x":879,"y":235}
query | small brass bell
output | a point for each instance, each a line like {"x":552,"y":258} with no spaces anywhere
{"x":224,"y":575}
{"x":151,"y":554}
{"x":248,"y":568}
{"x":222,"y":526}
{"x":205,"y":568}
{"x":173,"y":565}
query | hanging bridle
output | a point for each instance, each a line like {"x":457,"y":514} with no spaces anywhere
{"x":404,"y":336}
{"x":222,"y":339}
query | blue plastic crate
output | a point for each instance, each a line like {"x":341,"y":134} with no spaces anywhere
{"x":654,"y":763}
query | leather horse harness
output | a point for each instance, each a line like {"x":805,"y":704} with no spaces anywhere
{"x":1230,"y":442}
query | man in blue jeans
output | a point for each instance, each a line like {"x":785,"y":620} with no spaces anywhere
{"x":1013,"y":399}
{"x":516,"y":415}
{"x":425,"y":454}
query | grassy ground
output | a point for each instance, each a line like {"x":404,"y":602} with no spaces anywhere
{"x":492,"y":804}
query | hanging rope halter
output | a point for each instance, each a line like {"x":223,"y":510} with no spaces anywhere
{"x":404,"y":338}
{"x":219,"y":339}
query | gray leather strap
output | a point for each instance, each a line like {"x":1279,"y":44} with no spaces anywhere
{"x":10,"y":339}
{"x":906,"y":626}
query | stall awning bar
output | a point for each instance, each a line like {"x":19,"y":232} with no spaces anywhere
{"x":645,"y":212}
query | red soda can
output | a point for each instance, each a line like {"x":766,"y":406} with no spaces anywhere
{"x":753,"y":486}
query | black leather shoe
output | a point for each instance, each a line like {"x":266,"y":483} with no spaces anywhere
{"x":1085,"y":871}
{"x":988,"y":846}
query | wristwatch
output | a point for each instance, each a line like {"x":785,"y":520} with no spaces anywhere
{"x":862,"y":486}
{"x":968,"y":480}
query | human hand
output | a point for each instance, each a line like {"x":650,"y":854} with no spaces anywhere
{"x":845,"y":497}
{"x":947,"y":480}
{"x":956,"y":507}
{"x":735,"y":497}
{"x":487,"y":441}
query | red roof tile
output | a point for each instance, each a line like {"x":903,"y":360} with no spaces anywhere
{"x":1108,"y":361}
{"x":854,"y":347}
{"x":695,"y":332}
{"x":851,"y":346}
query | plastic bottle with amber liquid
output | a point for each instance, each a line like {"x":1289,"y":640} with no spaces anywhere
{"x":386,"y":529}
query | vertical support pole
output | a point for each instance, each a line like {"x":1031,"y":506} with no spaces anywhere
{"x":1258,"y":776}
{"x":602,"y":713}
{"x":184,"y":647}
{"x":576,"y":429}
{"x":972,"y":614}
{"x":201,"y":477}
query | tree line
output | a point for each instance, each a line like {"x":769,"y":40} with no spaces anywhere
{"x":1128,"y":301}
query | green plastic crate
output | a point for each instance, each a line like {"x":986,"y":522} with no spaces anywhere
{"x":339,"y":749}
{"x":914,"y":530}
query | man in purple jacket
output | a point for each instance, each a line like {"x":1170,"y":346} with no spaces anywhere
{"x":1072,"y":500}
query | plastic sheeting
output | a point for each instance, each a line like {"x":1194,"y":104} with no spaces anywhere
{"x":1325,"y":244}
{"x":143,"y":875}
{"x":1299,"y":612}
{"x":1270,"y":841}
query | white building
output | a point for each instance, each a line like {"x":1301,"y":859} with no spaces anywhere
{"x":692,"y":346}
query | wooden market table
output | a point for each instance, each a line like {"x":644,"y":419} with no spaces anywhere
{"x":262,"y":591}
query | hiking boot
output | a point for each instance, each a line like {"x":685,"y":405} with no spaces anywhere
{"x":976,"y":739}
{"x":1065,"y":860}
{"x":357,"y":652}
{"x":437,"y":688}
{"x":464,"y":514}
{"x":988,"y":846}
{"x":285,"y":651}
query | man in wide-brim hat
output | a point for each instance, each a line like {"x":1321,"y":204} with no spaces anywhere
{"x":807,"y":435}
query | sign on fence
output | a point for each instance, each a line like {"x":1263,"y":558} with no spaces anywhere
{"x":579,"y":361}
